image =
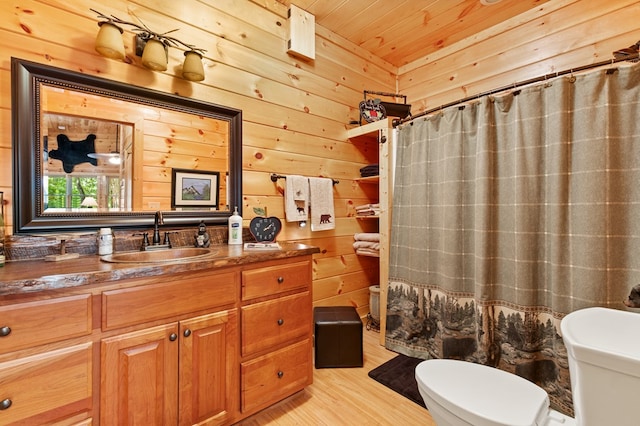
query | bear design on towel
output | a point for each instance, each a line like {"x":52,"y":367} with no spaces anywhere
{"x":325,"y":218}
{"x":72,"y":153}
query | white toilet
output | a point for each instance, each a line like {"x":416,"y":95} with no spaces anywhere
{"x":604,"y":365}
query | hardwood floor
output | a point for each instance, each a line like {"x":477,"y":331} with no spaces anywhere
{"x":346,"y":396}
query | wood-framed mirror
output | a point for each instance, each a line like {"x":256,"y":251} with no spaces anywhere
{"x":90,"y":152}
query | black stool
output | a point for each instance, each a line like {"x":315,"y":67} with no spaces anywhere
{"x":338,"y":337}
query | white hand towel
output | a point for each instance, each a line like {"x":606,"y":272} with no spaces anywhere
{"x":321,"y":200}
{"x":296,"y":198}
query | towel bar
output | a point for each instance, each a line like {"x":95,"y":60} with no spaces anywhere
{"x":275,"y":177}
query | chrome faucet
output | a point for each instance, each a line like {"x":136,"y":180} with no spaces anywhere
{"x":156,"y":232}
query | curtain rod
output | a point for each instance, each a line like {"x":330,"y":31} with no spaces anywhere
{"x":545,"y":77}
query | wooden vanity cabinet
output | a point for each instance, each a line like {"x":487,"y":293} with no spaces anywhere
{"x":179,"y":373}
{"x":209,"y":346}
{"x":276,"y":328}
{"x":182,"y":372}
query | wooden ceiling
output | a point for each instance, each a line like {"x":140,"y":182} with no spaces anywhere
{"x":402,"y":31}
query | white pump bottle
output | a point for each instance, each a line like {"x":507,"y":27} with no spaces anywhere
{"x":235,"y":228}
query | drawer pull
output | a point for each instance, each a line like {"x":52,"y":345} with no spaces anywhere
{"x":280,"y":374}
{"x":187,"y":333}
{"x":6,"y":403}
{"x":173,"y":337}
{"x":5,"y":331}
{"x":280,"y":280}
{"x":280,"y":321}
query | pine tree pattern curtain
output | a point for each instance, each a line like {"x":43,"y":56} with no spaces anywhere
{"x":511,"y":212}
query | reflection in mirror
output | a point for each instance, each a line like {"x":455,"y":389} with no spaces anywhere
{"x":87,"y":163}
{"x":92,"y":153}
{"x":82,"y":146}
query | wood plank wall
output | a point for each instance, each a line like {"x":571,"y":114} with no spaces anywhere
{"x":556,"y":36}
{"x":296,"y":112}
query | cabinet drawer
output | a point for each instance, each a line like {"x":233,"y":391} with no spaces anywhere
{"x":275,"y":279}
{"x":274,"y":322}
{"x":44,"y":321}
{"x":58,"y":380}
{"x":272,"y":377}
{"x":183,"y":295}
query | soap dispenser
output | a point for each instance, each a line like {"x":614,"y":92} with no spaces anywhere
{"x":235,"y":228}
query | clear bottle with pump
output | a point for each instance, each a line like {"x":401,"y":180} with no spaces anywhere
{"x":235,"y":228}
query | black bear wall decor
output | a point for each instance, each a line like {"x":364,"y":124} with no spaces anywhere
{"x":72,"y":153}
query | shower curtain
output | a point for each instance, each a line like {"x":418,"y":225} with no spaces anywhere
{"x":511,"y":212}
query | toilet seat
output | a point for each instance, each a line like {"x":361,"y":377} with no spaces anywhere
{"x":482,"y":395}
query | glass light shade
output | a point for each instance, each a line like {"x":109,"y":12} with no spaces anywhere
{"x":154,"y":55}
{"x":109,"y":41}
{"x":192,"y":69}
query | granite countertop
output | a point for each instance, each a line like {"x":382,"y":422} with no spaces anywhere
{"x":37,"y":275}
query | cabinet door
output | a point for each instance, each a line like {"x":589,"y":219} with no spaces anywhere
{"x":209,"y":371}
{"x":139,"y":372}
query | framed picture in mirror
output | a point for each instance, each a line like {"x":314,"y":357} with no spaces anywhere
{"x":194,"y":188}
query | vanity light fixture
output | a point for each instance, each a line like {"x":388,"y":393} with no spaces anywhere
{"x":152,"y":46}
{"x":109,"y":41}
{"x":192,"y":69}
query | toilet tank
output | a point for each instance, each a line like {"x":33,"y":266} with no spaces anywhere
{"x":603,"y":347}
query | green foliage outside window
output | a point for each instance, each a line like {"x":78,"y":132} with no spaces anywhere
{"x":80,"y":187}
